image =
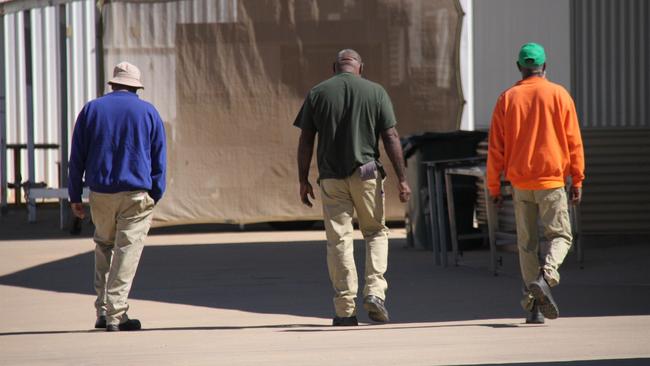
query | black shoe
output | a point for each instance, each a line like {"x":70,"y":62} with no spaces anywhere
{"x":376,"y":309}
{"x":346,"y":321}
{"x":101,"y":322}
{"x":543,"y":298}
{"x":535,"y":316}
{"x":131,"y":324}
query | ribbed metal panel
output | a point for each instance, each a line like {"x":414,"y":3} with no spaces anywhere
{"x":81,"y":59}
{"x":616,"y":197}
{"x":616,"y":194}
{"x":45,"y":86}
{"x":611,"y":73}
{"x":16,"y":110}
{"x":45,"y":93}
{"x":133,"y":43}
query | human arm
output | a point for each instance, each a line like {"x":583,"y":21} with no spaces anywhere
{"x":305,"y":152}
{"x":576,"y":195}
{"x":496,"y":152}
{"x":78,"y":209}
{"x":77,"y":165}
{"x":305,"y":121}
{"x":386,"y":122}
{"x":576,"y":153}
{"x":158,"y":158}
{"x":390,"y":137}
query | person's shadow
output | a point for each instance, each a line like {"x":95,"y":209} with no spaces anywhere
{"x":291,"y":278}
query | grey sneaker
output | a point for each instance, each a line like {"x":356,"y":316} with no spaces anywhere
{"x":543,"y":298}
{"x":376,"y":309}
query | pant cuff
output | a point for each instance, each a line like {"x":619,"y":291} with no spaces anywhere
{"x":527,"y":302}
{"x":551,"y":276}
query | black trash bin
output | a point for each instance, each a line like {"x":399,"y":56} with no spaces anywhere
{"x":432,"y":146}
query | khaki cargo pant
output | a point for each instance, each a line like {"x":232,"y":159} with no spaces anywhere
{"x":551,"y":207}
{"x":122,"y":221}
{"x":341,"y":197}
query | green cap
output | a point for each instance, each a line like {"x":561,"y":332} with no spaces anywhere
{"x":532,"y":55}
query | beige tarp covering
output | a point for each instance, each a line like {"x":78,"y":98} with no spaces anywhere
{"x":229,"y":77}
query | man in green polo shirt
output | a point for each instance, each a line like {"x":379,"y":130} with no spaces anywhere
{"x":349,"y":113}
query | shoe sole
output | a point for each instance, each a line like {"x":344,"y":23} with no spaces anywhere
{"x":376,"y":313}
{"x":345,"y":322}
{"x":345,"y":325}
{"x":117,"y":329}
{"x":546,"y":305}
{"x":534,"y":321}
{"x":130,"y":326}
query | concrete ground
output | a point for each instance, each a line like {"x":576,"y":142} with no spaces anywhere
{"x":260,"y":297}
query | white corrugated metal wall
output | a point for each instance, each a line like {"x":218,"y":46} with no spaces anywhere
{"x":599,"y":50}
{"x":42,"y":26}
{"x":611,"y":57}
{"x":133,"y":43}
{"x":15,"y":96}
{"x":611,"y":78}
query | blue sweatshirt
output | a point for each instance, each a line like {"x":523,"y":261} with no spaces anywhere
{"x":119,"y":142}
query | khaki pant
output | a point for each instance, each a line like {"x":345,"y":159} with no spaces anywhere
{"x":550,"y":206}
{"x":122,"y":222}
{"x":341,"y":197}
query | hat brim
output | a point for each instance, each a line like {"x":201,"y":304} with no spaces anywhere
{"x":126,"y":81}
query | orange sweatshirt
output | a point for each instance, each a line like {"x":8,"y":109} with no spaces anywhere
{"x":535,"y":138}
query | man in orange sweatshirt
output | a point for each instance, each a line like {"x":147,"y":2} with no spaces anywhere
{"x":535,"y":142}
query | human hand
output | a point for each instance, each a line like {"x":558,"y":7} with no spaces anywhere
{"x":78,"y":209}
{"x":305,"y":192}
{"x":497,"y":200}
{"x":576,"y":195}
{"x":404,"y":191}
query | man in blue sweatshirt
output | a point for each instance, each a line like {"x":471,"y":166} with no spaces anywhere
{"x":119,"y":143}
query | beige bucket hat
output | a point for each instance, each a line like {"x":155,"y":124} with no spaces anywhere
{"x":127,"y":74}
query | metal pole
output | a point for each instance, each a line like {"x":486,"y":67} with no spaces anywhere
{"x":3,"y":122}
{"x":574,"y":212}
{"x":451,"y":209}
{"x":62,"y":50}
{"x":492,"y":222}
{"x":440,"y":214}
{"x":99,"y":48}
{"x":433,"y":217}
{"x":29,"y":81}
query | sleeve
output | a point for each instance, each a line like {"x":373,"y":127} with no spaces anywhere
{"x":574,"y":140}
{"x":496,"y":148}
{"x":77,"y":161}
{"x":305,"y":118}
{"x":386,"y":117}
{"x":158,"y":158}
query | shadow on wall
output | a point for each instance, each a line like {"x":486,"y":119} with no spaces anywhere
{"x":292,"y":279}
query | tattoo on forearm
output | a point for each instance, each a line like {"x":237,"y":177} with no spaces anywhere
{"x":393,"y":147}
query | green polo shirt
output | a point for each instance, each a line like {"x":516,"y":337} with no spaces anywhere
{"x":348,"y":113}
